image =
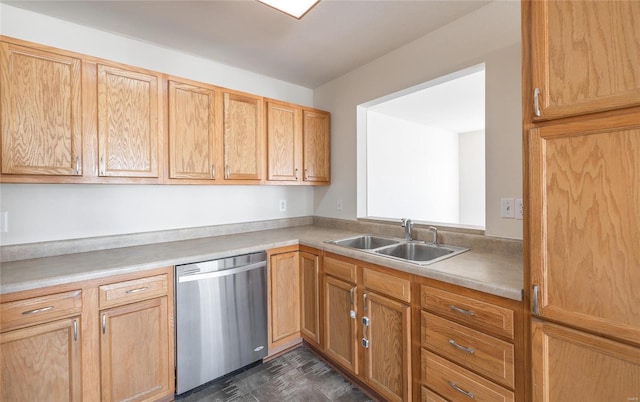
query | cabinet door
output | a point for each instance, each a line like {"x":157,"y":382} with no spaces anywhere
{"x":41,"y":114}
{"x":386,"y":338}
{"x":128,"y":128}
{"x":572,"y":366}
{"x":134,"y":351}
{"x":310,"y":297}
{"x":586,"y":224}
{"x":315,"y":129}
{"x":284,"y":142}
{"x":243,"y":137}
{"x":284,"y":286}
{"x":42,"y":362}
{"x":192,"y":132}
{"x":585,"y":56}
{"x":340,"y":324}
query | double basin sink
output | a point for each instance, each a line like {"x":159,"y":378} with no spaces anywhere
{"x":416,"y":252}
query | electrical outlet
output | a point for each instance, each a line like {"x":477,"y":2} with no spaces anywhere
{"x":507,"y":208}
{"x":339,"y":205}
{"x":283,"y":205}
{"x":519,"y":209}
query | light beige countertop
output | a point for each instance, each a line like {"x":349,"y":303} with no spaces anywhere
{"x":494,"y":273}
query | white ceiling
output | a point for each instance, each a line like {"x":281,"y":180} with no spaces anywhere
{"x":335,"y":37}
{"x":455,"y":105}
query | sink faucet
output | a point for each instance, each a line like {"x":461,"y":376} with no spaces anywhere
{"x":406,"y":224}
{"x":435,"y":234}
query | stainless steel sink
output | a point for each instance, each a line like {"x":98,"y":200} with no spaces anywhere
{"x":422,"y":253}
{"x":415,"y":252}
{"x":365,"y":242}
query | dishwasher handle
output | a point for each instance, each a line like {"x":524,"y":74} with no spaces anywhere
{"x":224,"y":272}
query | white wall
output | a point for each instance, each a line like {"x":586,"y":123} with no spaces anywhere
{"x":472,"y":177}
{"x":54,"y":212}
{"x":433,"y":155}
{"x":490,"y":35}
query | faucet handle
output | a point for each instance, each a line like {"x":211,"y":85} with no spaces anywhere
{"x":404,"y":221}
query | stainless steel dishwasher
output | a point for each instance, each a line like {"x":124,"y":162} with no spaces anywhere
{"x":221,"y":317}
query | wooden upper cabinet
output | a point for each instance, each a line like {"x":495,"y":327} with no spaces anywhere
{"x":585,"y":250}
{"x":40,"y":110}
{"x":316,"y":154}
{"x":586,"y":56}
{"x":243,"y":137}
{"x":284,"y":142}
{"x":128,"y":122}
{"x":193,"y":135}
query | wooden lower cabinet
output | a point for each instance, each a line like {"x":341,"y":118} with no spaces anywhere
{"x":340,"y":324}
{"x":283,"y":296}
{"x":570,"y":365}
{"x":133,"y":353}
{"x":109,"y":339}
{"x":42,"y":362}
{"x":310,"y":297}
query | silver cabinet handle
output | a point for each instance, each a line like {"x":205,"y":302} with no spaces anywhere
{"x":351,"y":296}
{"x":37,"y":310}
{"x":226,"y":171}
{"x":462,"y":391}
{"x":534,"y":308}
{"x":104,"y":323}
{"x":77,"y":165}
{"x":102,"y":166}
{"x":365,"y":324}
{"x":296,"y":174}
{"x":536,"y":102}
{"x":364,"y":301}
{"x":464,"y":348}
{"x":75,"y":330}
{"x":461,"y":310}
{"x":213,"y":171}
{"x":142,"y":289}
{"x":306,"y":177}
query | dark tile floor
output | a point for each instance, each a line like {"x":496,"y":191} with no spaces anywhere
{"x":298,"y":375}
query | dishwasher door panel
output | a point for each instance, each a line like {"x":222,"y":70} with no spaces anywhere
{"x":221,"y":325}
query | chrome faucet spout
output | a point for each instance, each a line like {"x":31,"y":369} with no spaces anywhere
{"x":407,"y":224}
{"x":435,"y":235}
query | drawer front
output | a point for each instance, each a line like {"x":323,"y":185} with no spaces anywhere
{"x":474,"y":350}
{"x":339,"y":269}
{"x":430,"y":396}
{"x":41,"y":309}
{"x":457,"y":384}
{"x":387,"y":284}
{"x":119,"y":293}
{"x":477,"y":314}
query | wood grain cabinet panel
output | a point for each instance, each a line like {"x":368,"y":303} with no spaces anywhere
{"x":585,"y":182}
{"x":40,"y":112}
{"x":339,"y":268}
{"x":42,"y":362}
{"x":310,"y":297}
{"x":341,"y":330}
{"x":284,"y":297}
{"x":585,"y":56}
{"x":569,"y":365}
{"x":133,"y":351}
{"x":193,"y":140}
{"x":284,"y":142}
{"x":387,"y":356}
{"x":243,"y":136}
{"x":128,"y":125}
{"x":316,"y":133}
{"x":22,"y":313}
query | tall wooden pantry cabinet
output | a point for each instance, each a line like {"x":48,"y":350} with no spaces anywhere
{"x":581,"y":132}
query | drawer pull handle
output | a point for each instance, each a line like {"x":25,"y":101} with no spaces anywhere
{"x":37,"y":310}
{"x":464,"y":348}
{"x":104,"y":323}
{"x":137,"y":290}
{"x":75,"y":330}
{"x":461,"y":310}
{"x":462,"y":391}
